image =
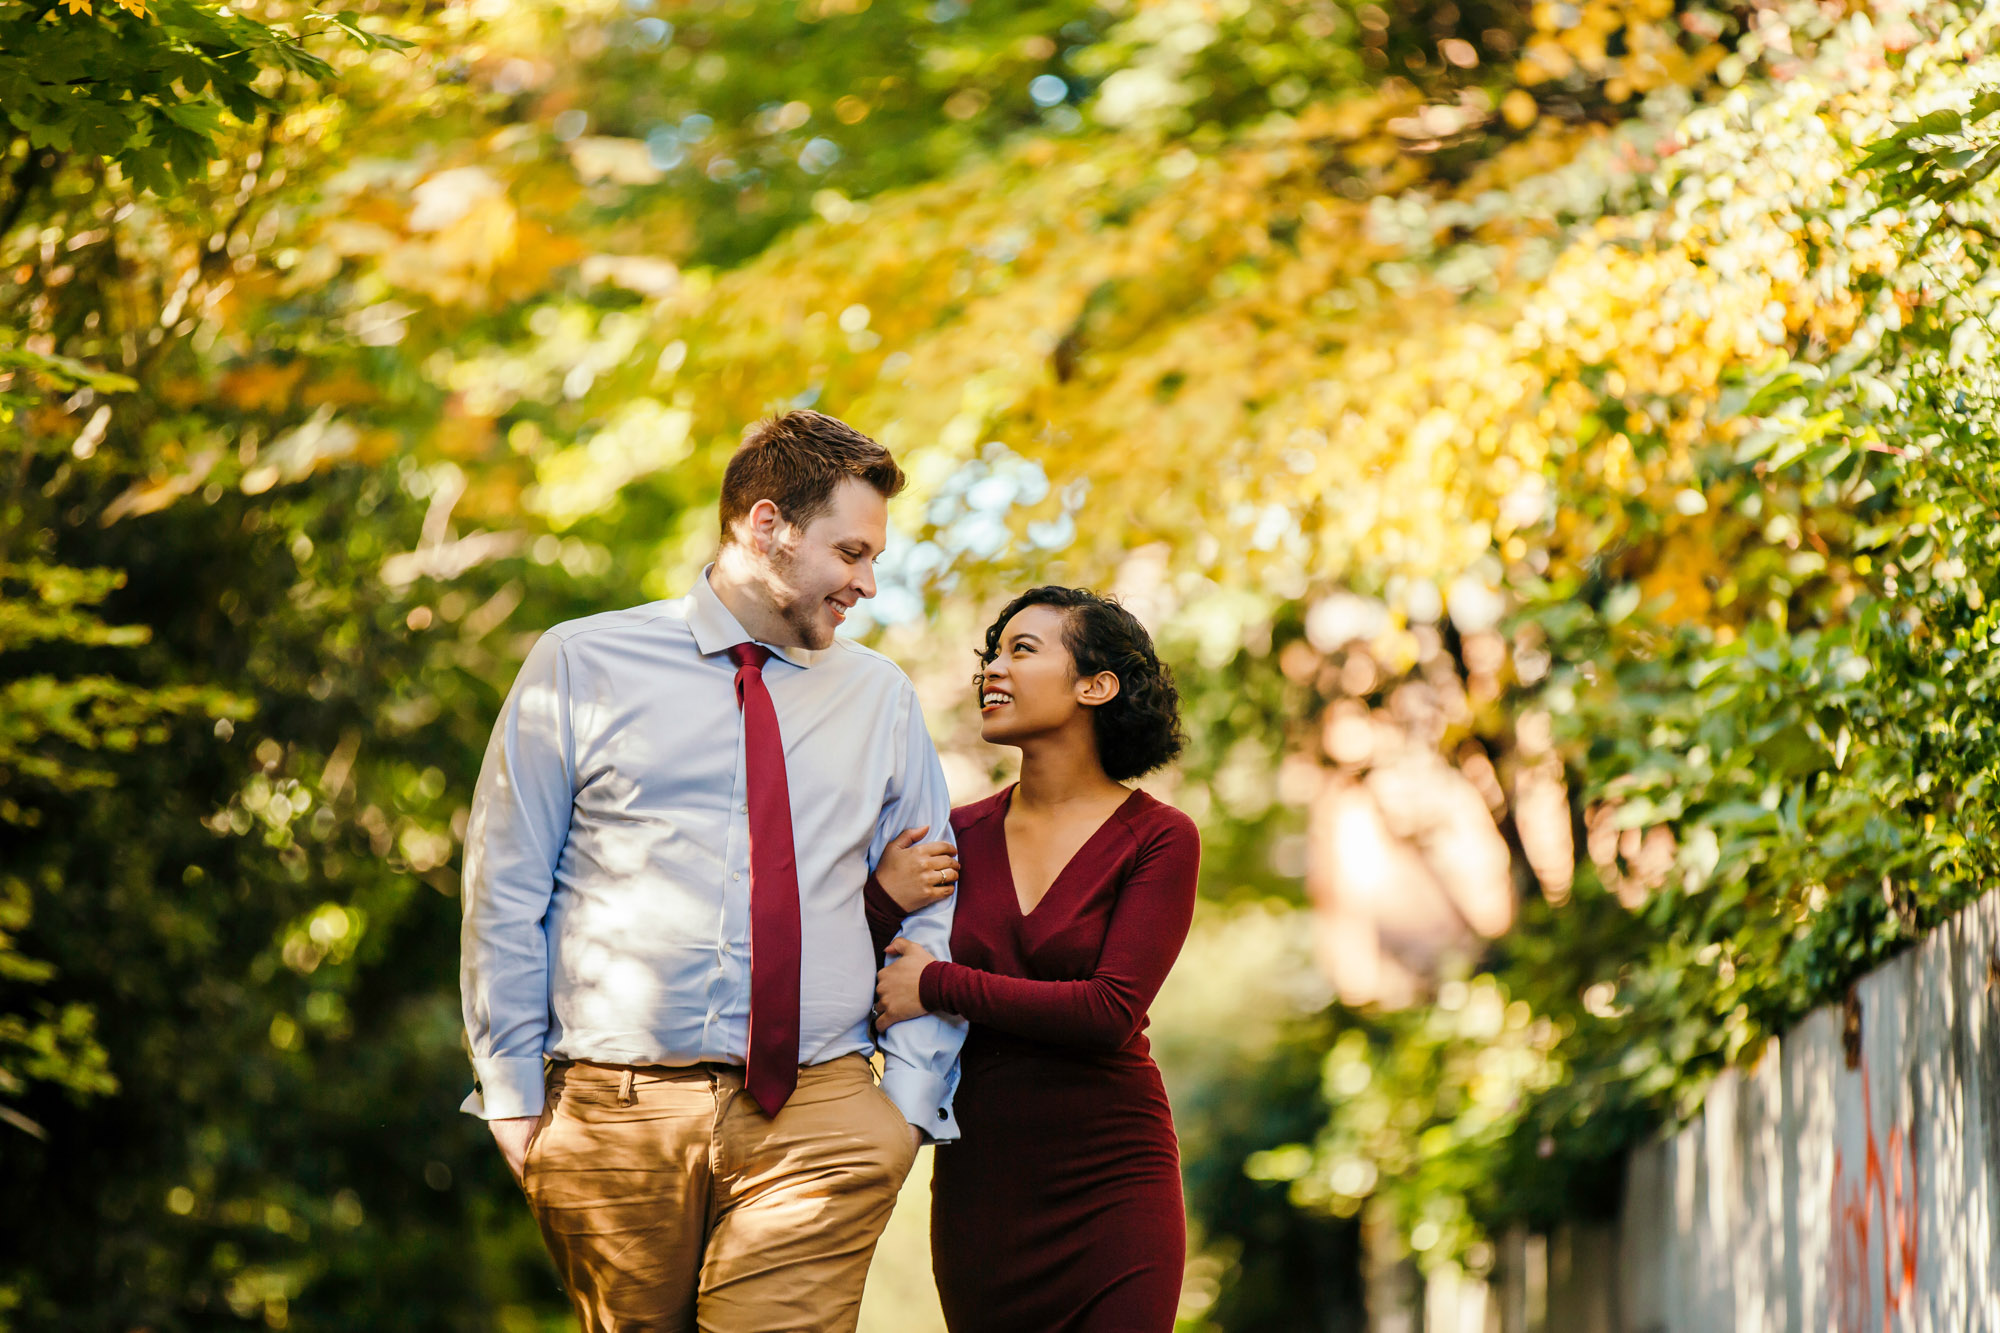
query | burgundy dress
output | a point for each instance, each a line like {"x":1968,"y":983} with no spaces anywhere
{"x":1059,"y":1209}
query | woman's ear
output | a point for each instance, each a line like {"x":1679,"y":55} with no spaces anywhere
{"x":1098,"y":690}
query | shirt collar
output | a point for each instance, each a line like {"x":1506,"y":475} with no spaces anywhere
{"x":717,"y":631}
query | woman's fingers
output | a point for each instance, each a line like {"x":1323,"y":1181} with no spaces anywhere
{"x":909,"y":836}
{"x":940,"y":880}
{"x":937,"y":872}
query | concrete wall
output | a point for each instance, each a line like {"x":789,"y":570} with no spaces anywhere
{"x":1851,"y":1180}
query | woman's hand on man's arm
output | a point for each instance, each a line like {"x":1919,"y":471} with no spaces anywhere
{"x":898,"y":995}
{"x":917,"y":875}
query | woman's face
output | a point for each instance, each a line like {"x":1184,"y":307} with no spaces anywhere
{"x":1031,"y":687}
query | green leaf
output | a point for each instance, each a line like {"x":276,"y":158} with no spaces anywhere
{"x":350,"y":23}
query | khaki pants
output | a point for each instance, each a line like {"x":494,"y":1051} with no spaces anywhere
{"x":671,"y":1202}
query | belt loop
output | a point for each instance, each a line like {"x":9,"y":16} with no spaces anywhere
{"x":625,"y":1097}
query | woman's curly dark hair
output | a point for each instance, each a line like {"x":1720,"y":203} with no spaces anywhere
{"x":1140,"y":729}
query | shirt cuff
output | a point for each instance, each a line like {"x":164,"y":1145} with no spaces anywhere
{"x":505,"y":1088}
{"x":924,"y":1099}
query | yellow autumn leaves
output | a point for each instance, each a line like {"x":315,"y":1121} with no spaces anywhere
{"x":1303,"y":356}
{"x":1290,"y":386}
{"x":1628,"y":46}
{"x":136,"y":8}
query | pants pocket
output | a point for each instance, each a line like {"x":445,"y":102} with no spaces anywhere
{"x":902,"y":1135}
{"x":531,"y":1158}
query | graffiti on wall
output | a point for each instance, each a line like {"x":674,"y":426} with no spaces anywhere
{"x":1873,"y":1263}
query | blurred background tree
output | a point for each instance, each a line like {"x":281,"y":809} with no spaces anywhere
{"x":1551,"y":442}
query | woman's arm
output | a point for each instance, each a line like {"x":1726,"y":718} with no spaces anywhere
{"x":907,"y":878}
{"x":885,"y":914}
{"x":1148,"y":925}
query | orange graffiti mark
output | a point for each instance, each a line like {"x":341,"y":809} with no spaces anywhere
{"x":1856,"y":1204}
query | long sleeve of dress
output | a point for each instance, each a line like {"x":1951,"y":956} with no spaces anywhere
{"x":1104,"y":1010}
{"x":885,"y":915}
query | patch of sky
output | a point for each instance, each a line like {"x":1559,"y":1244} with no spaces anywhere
{"x":1272,"y":524}
{"x":664,"y":148}
{"x":1005,"y":247}
{"x":1048,"y":89}
{"x":818,"y":155}
{"x":968,"y":522}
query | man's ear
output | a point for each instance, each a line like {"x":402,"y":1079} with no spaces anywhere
{"x":1098,"y":690}
{"x":758,"y":528}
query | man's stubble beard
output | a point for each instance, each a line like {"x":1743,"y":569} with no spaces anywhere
{"x":801,"y":613}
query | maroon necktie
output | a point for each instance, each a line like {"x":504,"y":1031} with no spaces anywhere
{"x":773,"y":1064}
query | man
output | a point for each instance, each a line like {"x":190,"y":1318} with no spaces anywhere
{"x":676,"y":816}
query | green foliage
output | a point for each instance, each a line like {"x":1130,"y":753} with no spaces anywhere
{"x":226,"y":1025}
{"x":47,"y":372}
{"x":454,"y":348}
{"x":747,"y":116}
{"x":1825,"y":771}
{"x":145,"y":86}
{"x":59,"y":734}
{"x":1798,"y":703}
{"x":1281,"y":1265}
{"x":243,"y":909}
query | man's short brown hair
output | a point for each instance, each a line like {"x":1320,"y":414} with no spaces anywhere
{"x":796,"y":460}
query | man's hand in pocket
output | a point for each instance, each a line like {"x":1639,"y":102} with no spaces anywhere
{"x":514,"y":1136}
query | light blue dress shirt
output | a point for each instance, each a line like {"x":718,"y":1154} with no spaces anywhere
{"x":607,"y":860}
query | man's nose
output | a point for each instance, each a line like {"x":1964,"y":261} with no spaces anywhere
{"x":865,"y":583}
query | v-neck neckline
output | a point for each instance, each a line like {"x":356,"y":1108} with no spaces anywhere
{"x":1007,"y":857}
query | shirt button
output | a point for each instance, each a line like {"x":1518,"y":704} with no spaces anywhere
{"x":943,"y":1114}
{"x":736,"y":876}
{"x":743,"y":809}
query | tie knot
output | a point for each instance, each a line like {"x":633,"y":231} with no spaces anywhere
{"x":751,"y":655}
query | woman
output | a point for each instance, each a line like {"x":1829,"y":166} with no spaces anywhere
{"x":1059,"y":1210}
